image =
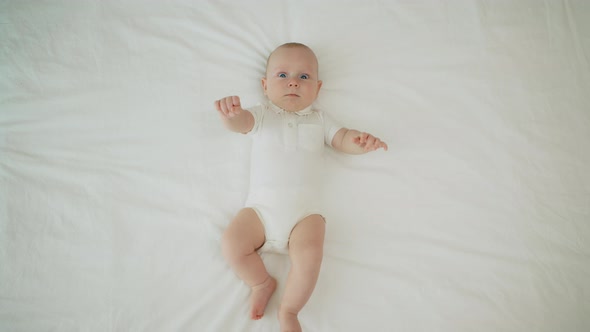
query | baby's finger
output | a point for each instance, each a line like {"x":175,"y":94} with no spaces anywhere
{"x":370,"y":143}
{"x":364,"y":137}
{"x":231,"y":109}
{"x":220,"y":105}
{"x":236,"y":101}
{"x":358,"y":141}
{"x":366,"y":146}
{"x":233,"y":105}
{"x":236,"y":107}
{"x":228,"y":105}
{"x":380,"y":144}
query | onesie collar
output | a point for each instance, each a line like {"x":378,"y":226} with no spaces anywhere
{"x":278,"y":110}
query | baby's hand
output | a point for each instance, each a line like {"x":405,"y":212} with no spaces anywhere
{"x":229,"y":106}
{"x":369,"y":142}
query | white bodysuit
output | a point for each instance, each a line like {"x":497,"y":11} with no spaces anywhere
{"x":286,"y":168}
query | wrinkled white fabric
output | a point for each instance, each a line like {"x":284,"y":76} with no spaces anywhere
{"x":117,"y":177}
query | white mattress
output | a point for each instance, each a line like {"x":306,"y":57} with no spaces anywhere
{"x":117,"y":177}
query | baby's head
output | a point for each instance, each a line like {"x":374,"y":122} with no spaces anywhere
{"x":291,"y":80}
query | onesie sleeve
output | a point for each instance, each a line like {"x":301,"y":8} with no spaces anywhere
{"x":257,"y":112}
{"x":331,"y":127}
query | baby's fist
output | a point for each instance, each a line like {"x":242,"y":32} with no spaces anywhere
{"x":229,"y":106}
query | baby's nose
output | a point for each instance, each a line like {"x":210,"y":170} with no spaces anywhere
{"x":293,"y":83}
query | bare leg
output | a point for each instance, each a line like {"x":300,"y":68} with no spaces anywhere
{"x":306,"y":247}
{"x":241,"y":239}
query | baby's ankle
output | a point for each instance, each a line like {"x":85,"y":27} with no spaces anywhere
{"x":266,"y":283}
{"x":287,"y":312}
{"x":289,"y":320}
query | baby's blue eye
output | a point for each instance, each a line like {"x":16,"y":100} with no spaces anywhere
{"x":304,"y":76}
{"x":282,"y":75}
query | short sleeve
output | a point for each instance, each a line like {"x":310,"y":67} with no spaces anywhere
{"x":257,"y":112}
{"x":331,"y":127}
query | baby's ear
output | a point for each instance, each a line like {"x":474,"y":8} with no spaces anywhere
{"x":263,"y":81}
{"x":319,"y":85}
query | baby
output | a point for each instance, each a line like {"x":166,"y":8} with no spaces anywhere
{"x":282,"y":211}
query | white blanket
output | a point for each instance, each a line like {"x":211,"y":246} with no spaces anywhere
{"x":117,"y":177}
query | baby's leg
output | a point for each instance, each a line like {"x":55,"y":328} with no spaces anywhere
{"x":306,"y":246}
{"x":241,"y":239}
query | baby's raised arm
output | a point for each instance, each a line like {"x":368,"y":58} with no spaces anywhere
{"x":234,"y":117}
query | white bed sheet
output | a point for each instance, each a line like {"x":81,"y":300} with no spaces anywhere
{"x":117,"y":178}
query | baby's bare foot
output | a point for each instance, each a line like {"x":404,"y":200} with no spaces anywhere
{"x":289,"y":322}
{"x":260,"y":296}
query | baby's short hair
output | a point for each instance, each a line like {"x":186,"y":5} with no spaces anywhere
{"x":288,"y":45}
{"x":294,"y":44}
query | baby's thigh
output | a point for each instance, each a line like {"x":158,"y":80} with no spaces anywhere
{"x":245,"y":232}
{"x":308,"y":233}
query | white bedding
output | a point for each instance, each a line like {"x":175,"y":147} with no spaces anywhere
{"x":117,"y":177}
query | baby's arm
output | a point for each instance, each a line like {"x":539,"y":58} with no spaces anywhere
{"x":355,"y":142}
{"x":234,"y":117}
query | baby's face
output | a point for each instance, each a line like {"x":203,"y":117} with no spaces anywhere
{"x":291,"y":80}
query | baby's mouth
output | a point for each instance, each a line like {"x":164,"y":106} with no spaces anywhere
{"x":292,"y":95}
